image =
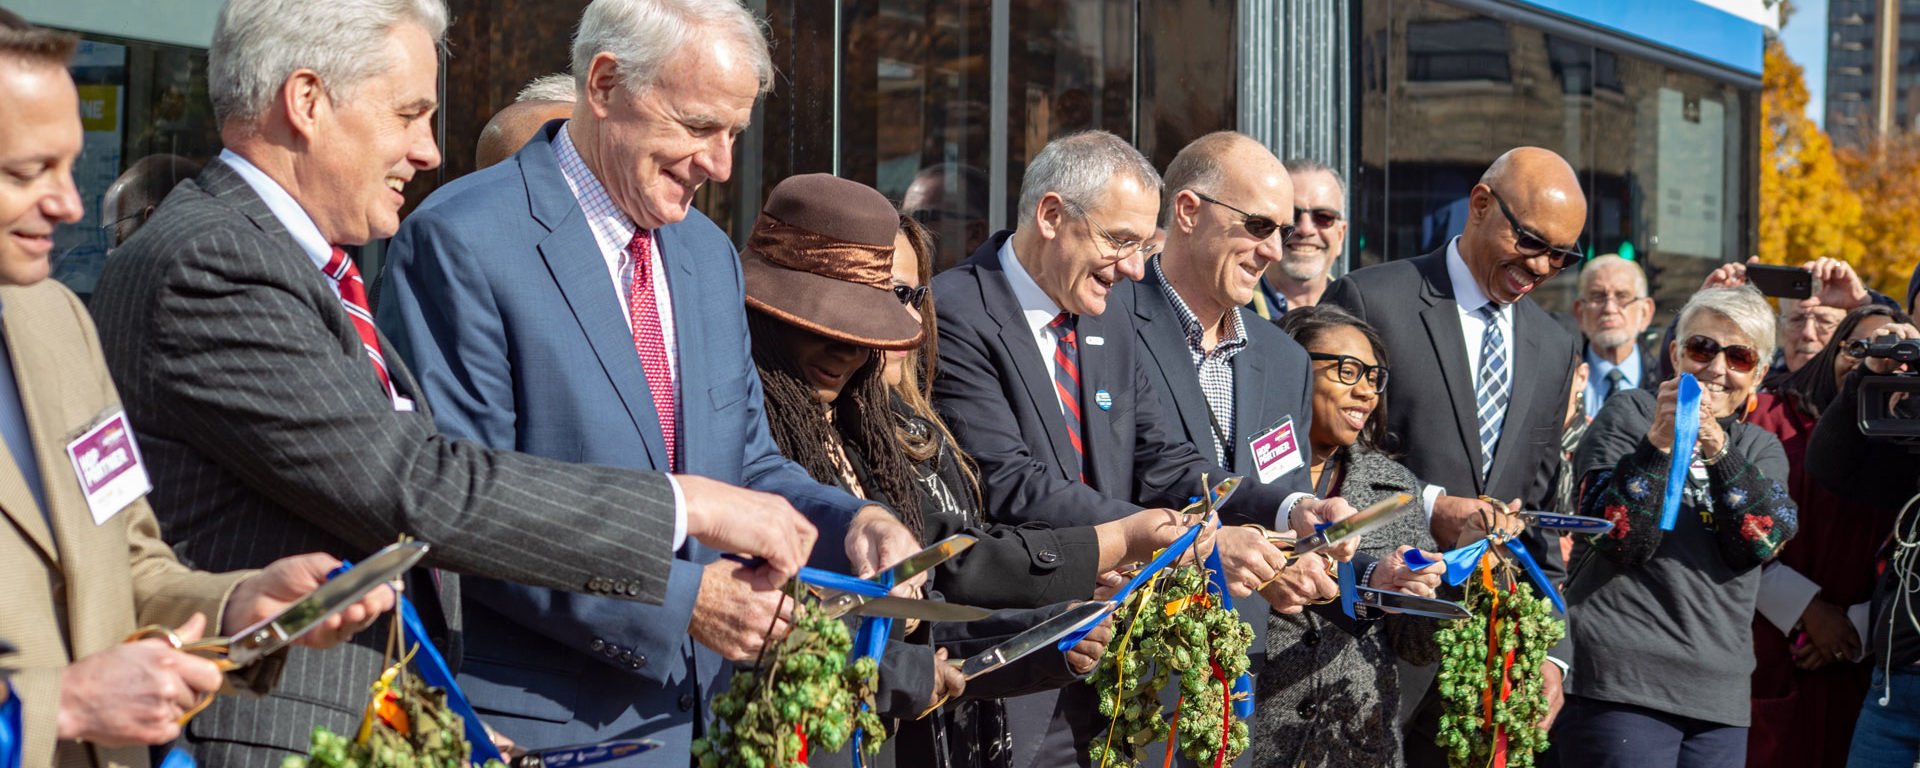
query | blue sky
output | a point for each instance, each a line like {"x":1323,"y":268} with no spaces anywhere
{"x":1806,"y":39}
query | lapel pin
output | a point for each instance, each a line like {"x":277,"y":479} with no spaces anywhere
{"x":1096,"y":341}
{"x":1104,"y":399}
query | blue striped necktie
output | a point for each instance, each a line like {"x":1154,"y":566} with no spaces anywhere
{"x":1491,"y":388}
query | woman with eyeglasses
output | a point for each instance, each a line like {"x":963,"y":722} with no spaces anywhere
{"x":1662,"y":621}
{"x":1809,"y":679}
{"x":1329,"y":694}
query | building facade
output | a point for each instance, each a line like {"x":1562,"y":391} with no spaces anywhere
{"x":1873,"y":69}
{"x":943,"y":102}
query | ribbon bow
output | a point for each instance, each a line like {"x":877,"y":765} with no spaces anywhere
{"x":1462,"y":562}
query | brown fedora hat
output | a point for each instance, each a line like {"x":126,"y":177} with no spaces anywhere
{"x":821,"y":258}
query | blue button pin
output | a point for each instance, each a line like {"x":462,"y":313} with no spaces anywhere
{"x":1104,"y":399}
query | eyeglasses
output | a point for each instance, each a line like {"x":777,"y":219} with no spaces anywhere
{"x":1599,"y":300}
{"x":912,"y":297}
{"x":1703,"y":350}
{"x":1531,"y":245}
{"x":1350,"y":370}
{"x":1261,"y":227}
{"x":1322,"y":217}
{"x":1122,"y":249}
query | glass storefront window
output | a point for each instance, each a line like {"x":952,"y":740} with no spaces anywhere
{"x":138,"y":100}
{"x":1662,"y":152}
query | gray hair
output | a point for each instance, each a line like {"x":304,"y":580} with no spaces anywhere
{"x":1299,"y":165}
{"x":555,"y":87}
{"x":1608,"y":260}
{"x":257,"y":44}
{"x":1744,"y":307}
{"x":644,"y":35}
{"x":1079,"y":166}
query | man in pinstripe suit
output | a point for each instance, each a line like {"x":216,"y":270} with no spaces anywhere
{"x":276,"y":420}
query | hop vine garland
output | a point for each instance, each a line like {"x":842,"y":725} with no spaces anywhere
{"x":804,"y":694}
{"x":1173,"y":625}
{"x":412,"y":728}
{"x":1489,"y":681}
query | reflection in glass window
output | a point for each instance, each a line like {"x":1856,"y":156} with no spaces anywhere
{"x":1462,"y":49}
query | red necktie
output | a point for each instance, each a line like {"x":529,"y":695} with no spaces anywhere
{"x":1066,"y":381}
{"x":644,"y":311}
{"x":353,"y":296}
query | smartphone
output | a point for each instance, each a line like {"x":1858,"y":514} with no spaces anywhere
{"x":1781,"y":282}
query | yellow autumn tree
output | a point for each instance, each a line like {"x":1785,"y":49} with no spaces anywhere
{"x":1886,"y":176}
{"x":1807,"y":207}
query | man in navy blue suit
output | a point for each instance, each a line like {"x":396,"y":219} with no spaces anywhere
{"x":568,"y":302}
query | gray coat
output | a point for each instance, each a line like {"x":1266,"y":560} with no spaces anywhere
{"x":1328,"y":697}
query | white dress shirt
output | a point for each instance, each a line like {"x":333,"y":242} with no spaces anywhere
{"x":1468,"y":295}
{"x":1035,"y":306}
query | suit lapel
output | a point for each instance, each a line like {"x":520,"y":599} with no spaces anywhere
{"x":1165,"y":342}
{"x":690,"y":336}
{"x":1442,"y":319}
{"x":16,"y":499}
{"x":1527,"y":356}
{"x":1100,"y":372}
{"x":1251,"y":380}
{"x":1017,"y":340}
{"x":573,"y":259}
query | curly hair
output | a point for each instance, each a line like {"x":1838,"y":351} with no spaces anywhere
{"x":1308,"y":324}
{"x":861,"y":416}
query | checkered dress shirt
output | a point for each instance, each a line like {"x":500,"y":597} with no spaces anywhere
{"x":1215,"y":367}
{"x":612,"y":231}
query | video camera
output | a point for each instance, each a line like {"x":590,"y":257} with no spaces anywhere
{"x":1889,"y":402}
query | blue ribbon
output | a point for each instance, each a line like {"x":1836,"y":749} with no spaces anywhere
{"x":178,"y":758}
{"x":432,"y":669}
{"x":10,"y":734}
{"x":1167,"y":557}
{"x":870,"y":641}
{"x":1462,"y":562}
{"x":1686,"y":430}
{"x":825,"y":579}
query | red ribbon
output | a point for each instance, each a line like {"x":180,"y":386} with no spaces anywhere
{"x":1226,"y":713}
{"x":798,"y":731}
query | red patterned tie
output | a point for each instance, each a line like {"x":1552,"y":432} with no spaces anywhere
{"x":1066,"y":381}
{"x":650,"y":342}
{"x":353,"y":296}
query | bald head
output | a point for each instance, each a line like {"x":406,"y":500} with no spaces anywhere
{"x":511,"y":128}
{"x":1527,"y":206}
{"x":1213,"y":257}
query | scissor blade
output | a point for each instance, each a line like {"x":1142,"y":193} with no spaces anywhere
{"x":587,"y":754}
{"x":1411,"y":605}
{"x":339,"y":593}
{"x":1042,"y":635}
{"x":1572,"y":523}
{"x":924,"y":560}
{"x":924,"y":610}
{"x":1223,"y":490}
{"x":1366,"y":520}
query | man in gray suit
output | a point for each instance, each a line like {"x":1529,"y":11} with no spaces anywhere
{"x":1482,"y":374}
{"x":276,"y":420}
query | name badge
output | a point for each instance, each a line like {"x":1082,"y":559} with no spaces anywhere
{"x":1277,"y":452}
{"x":107,"y":463}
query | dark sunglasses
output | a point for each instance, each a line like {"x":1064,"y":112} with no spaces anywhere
{"x":1531,"y":245}
{"x":1351,"y":370}
{"x":1261,"y":227}
{"x":1322,"y":217}
{"x":1702,"y":350}
{"x":912,"y":297}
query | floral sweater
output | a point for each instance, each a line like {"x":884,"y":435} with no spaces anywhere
{"x":1663,"y":619}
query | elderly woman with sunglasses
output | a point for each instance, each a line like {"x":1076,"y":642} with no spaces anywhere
{"x":1662,"y":621}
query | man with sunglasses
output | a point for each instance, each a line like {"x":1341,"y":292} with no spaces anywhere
{"x":1043,"y":385}
{"x":1482,"y":374}
{"x":1319,"y":235}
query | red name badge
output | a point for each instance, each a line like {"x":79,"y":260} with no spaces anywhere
{"x":1276,"y":452}
{"x":106,"y":461}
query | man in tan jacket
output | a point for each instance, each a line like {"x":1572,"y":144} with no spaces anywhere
{"x":81,"y":558}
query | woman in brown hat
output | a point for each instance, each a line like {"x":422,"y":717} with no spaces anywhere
{"x":822,"y":311}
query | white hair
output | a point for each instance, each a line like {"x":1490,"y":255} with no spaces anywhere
{"x":257,"y":44}
{"x":644,"y":35}
{"x":1079,"y":166}
{"x":1594,"y":266}
{"x":555,"y":87}
{"x":1744,"y":307}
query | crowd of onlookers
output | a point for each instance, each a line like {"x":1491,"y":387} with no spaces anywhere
{"x":581,"y":394}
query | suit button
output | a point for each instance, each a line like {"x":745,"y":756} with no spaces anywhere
{"x":639,"y":660}
{"x":1311,"y":638}
{"x":596,"y":584}
{"x":686,"y":702}
{"x":633,"y":589}
{"x":1307,"y":709}
{"x":612,"y":651}
{"x":1047,"y":557}
{"x":596,"y":645}
{"x":627,"y":658}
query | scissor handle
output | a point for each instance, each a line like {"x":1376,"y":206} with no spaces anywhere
{"x":213,"y":649}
